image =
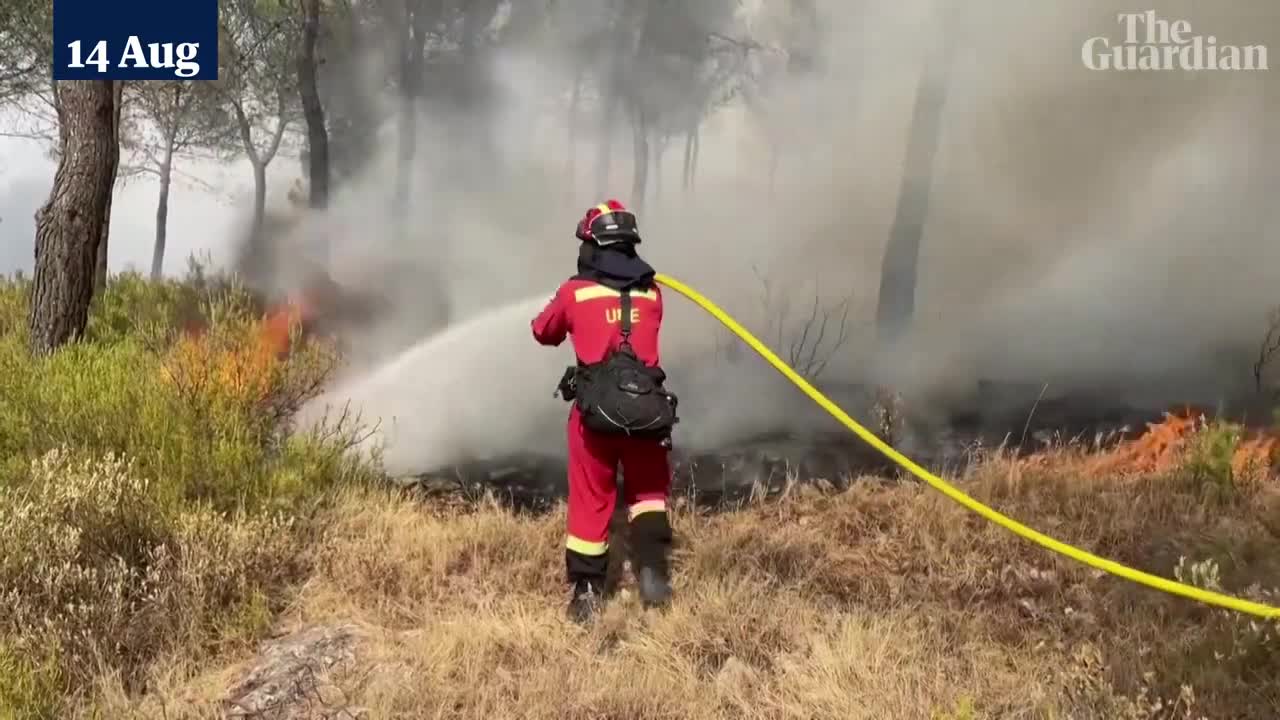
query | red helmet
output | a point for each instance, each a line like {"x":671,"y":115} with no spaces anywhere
{"x":608,"y":223}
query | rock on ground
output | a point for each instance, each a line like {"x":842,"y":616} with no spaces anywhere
{"x":291,"y":677}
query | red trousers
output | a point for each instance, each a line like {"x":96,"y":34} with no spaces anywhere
{"x":593,"y":469}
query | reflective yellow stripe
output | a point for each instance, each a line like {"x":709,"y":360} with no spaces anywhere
{"x":584,"y":547}
{"x":647,"y":506}
{"x":604,"y":209}
{"x":595,"y":292}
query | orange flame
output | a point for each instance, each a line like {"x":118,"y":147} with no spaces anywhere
{"x":1165,"y":443}
{"x":1156,"y":450}
{"x":244,"y":371}
{"x":276,"y":329}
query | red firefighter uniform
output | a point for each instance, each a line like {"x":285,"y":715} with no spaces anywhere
{"x":590,"y":313}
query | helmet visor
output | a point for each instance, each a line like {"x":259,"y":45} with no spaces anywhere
{"x":615,"y":226}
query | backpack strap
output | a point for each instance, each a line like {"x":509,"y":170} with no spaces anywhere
{"x":626,"y":316}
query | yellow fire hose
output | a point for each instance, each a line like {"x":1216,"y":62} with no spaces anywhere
{"x":942,"y":486}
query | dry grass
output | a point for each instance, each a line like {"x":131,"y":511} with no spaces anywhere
{"x":138,"y":588}
{"x":882,"y":602}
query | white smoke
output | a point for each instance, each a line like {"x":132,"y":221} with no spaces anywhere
{"x":1083,"y":226}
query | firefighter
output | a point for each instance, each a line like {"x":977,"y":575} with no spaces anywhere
{"x":589,"y":308}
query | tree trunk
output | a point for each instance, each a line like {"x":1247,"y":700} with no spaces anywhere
{"x":686,"y":176}
{"x":604,"y":148}
{"x":100,"y":253}
{"x":162,"y":213}
{"x":412,"y":48}
{"x":313,"y":113}
{"x":898,"y":274}
{"x":473,"y":136}
{"x":259,"y":200}
{"x":256,"y":257}
{"x":640,"y":153}
{"x":407,"y":131}
{"x":659,"y":150}
{"x":312,"y":110}
{"x":259,"y":261}
{"x":695,"y":143}
{"x":72,"y":222}
{"x":571,"y":160}
{"x":100,"y":265}
{"x":697,"y":149}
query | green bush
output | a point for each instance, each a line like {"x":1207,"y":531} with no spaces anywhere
{"x":154,"y":493}
{"x":131,"y":306}
{"x":207,"y":415}
{"x":13,"y":306}
{"x":29,"y":689}
{"x":1209,"y":458}
{"x":962,"y":710}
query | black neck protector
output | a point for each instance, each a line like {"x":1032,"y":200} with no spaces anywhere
{"x":614,"y":266}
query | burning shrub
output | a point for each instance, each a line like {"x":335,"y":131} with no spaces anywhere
{"x":238,"y":360}
{"x":1217,"y":453}
{"x":208,"y":415}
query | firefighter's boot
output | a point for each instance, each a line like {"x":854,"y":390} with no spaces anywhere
{"x":655,"y":587}
{"x":586,"y":601}
{"x":651,"y":548}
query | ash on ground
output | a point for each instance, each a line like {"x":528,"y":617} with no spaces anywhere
{"x":1018,"y":418}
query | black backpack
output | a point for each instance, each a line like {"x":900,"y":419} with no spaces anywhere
{"x":622,"y":395}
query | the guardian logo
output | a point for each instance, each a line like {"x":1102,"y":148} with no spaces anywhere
{"x":1153,"y":43}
